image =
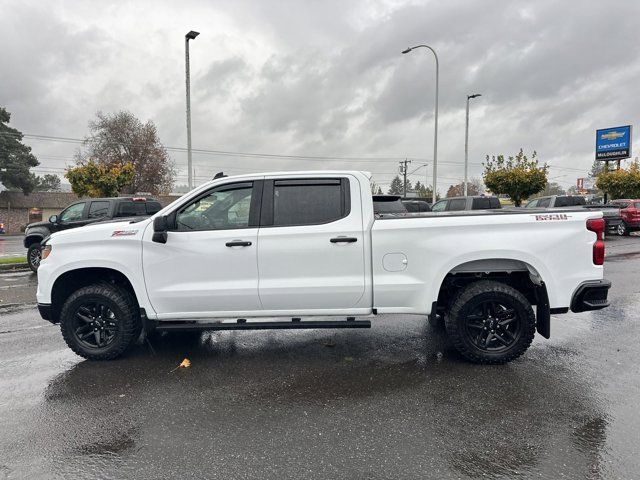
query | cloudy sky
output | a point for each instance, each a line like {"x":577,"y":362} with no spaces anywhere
{"x":327,"y":79}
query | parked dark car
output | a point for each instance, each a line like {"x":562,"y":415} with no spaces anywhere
{"x":475,"y":202}
{"x":83,"y":213}
{"x":389,"y":205}
{"x":629,"y":215}
{"x":416,"y":205}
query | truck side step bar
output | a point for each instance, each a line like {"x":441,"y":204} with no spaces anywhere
{"x":243,"y":324}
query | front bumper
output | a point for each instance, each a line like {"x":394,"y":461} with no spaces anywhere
{"x":591,"y":295}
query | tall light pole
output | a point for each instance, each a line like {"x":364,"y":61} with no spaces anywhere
{"x":189,"y":36}
{"x":435,"y":134}
{"x":466,"y":143}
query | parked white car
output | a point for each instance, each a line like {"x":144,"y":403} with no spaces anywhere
{"x":306,"y":244}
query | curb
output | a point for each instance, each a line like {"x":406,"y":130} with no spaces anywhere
{"x":14,"y":267}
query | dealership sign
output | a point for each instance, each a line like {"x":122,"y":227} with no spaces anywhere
{"x":613,"y":143}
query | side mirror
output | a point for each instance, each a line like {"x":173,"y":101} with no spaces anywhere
{"x":53,"y":219}
{"x":160,"y":227}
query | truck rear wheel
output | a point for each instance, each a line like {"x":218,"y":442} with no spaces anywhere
{"x":490,"y":322}
{"x":100,"y":322}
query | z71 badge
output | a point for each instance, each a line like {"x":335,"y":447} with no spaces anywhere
{"x":123,"y":233}
{"x":552,"y":216}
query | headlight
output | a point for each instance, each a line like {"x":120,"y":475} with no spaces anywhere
{"x":46,"y":251}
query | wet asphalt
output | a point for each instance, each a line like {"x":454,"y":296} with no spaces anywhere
{"x":11,"y":246}
{"x":395,"y":401}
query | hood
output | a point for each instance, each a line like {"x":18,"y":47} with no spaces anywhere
{"x":101,"y":232}
{"x":39,"y":224}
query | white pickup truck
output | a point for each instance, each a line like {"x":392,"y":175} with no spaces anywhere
{"x":302,"y":247}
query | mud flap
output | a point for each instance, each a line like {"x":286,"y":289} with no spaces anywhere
{"x":543,"y":312}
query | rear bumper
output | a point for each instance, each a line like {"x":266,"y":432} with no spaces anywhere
{"x":46,"y":312}
{"x":591,"y":295}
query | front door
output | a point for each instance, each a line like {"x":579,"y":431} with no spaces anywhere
{"x":311,"y":245}
{"x":209,"y":264}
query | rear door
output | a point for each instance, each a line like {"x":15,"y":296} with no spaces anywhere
{"x":311,"y":244}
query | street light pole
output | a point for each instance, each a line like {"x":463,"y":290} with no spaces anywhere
{"x":189,"y":36}
{"x":435,"y":134}
{"x":466,"y":143}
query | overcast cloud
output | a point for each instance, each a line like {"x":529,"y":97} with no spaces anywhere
{"x":326,"y":78}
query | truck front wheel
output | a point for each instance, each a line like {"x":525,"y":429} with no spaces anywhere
{"x":490,"y":322}
{"x":100,"y":322}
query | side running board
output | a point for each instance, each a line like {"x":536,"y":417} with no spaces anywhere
{"x":242,"y":324}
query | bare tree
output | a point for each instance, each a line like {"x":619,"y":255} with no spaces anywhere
{"x":121,"y":138}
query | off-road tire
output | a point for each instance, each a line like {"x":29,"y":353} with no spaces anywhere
{"x":120,"y":302}
{"x":489,"y":291}
{"x":34,"y":256}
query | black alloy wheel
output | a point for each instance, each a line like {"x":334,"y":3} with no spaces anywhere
{"x":95,"y":325}
{"x":492,"y":326}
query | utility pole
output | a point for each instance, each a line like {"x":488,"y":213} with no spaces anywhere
{"x":466,"y":143}
{"x":189,"y":36}
{"x":403,"y":171}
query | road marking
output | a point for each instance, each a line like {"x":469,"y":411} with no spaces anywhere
{"x":18,"y":286}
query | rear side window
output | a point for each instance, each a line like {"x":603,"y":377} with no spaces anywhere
{"x":98,"y":209}
{"x":563,"y":202}
{"x":309,"y":201}
{"x":544,"y":202}
{"x":131,"y":209}
{"x":439,"y":206}
{"x":457,"y":204}
{"x":153,"y":208}
{"x":578,"y":201}
{"x":481,"y":204}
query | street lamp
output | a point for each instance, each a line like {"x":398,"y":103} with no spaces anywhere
{"x":435,"y":134}
{"x":189,"y":36}
{"x":466,"y":143}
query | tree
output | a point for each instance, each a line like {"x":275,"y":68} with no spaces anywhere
{"x":423,"y":191}
{"x":623,"y":183}
{"x":474,"y":187}
{"x":15,"y":158}
{"x":396,"y":186}
{"x":518,"y":177}
{"x":95,"y":179}
{"x":48,"y":183}
{"x":375,"y":188}
{"x":596,"y":168}
{"x":121,"y":139}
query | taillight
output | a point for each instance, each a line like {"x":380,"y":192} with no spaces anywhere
{"x":596,"y":225}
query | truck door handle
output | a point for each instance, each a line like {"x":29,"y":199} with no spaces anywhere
{"x":238,"y":243}
{"x":343,"y":240}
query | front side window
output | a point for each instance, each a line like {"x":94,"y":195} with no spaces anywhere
{"x":72,"y":213}
{"x":544,"y":202}
{"x":224,"y":208}
{"x":481,"y":204}
{"x":439,"y":206}
{"x":307,"y":202}
{"x":532,"y":204}
{"x":98,"y":209}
